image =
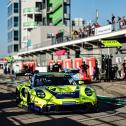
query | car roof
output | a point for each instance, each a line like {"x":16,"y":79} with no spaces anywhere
{"x":51,"y":74}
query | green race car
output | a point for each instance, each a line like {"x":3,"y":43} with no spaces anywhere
{"x":50,"y":92}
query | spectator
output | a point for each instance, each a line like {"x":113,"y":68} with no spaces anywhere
{"x":119,"y":21}
{"x":75,"y":34}
{"x":119,"y":69}
{"x":119,"y":18}
{"x":97,"y":25}
{"x":124,"y":66}
{"x":109,"y":22}
{"x":12,"y":71}
{"x":102,"y":74}
{"x":113,"y":22}
{"x":80,"y":33}
{"x":56,"y":67}
{"x":93,"y":29}
{"x":85,"y":32}
{"x":123,"y":22}
{"x":8,"y":70}
{"x":114,"y":72}
{"x":50,"y":68}
{"x":122,"y":72}
{"x":89,"y":29}
{"x":84,"y":67}
{"x":5,"y":70}
{"x":113,"y":19}
{"x":96,"y":72}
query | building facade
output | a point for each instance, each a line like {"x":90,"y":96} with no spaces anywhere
{"x":25,"y":15}
{"x":31,"y":18}
{"x":55,"y":12}
{"x":38,"y":13}
{"x":13,"y":26}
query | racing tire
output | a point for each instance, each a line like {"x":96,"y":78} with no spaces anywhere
{"x":94,"y":109}
{"x":28,"y":101}
{"x":90,"y":109}
{"x":31,"y":106}
{"x":18,"y":98}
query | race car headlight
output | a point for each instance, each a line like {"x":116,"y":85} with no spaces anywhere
{"x":88,"y":91}
{"x":40,"y":94}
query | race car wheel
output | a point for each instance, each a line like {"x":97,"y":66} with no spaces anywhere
{"x":29,"y":102}
{"x":95,"y":108}
{"x":18,"y":98}
{"x":31,"y":106}
{"x":91,"y":108}
{"x":87,"y":108}
{"x":28,"y":99}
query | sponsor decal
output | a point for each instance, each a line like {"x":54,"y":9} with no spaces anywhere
{"x":65,"y":94}
{"x":60,"y":52}
{"x":111,"y":43}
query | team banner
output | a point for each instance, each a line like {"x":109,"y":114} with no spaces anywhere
{"x":111,"y":43}
{"x":103,"y":30}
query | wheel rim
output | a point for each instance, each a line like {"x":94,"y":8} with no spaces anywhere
{"x":18,"y":99}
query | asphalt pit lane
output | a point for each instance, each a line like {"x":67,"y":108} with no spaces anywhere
{"x":109,"y":103}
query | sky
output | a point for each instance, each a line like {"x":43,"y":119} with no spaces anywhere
{"x":85,"y":9}
{"x":3,"y":28}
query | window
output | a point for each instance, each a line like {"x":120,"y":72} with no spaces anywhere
{"x":15,"y":21}
{"x":16,"y":35}
{"x":38,"y":18}
{"x":43,"y":4}
{"x":39,"y":5}
{"x":65,"y":9}
{"x":15,"y":7}
{"x":10,"y":10}
{"x":9,"y":36}
{"x":10,"y":49}
{"x":10,"y":23}
{"x":16,"y":48}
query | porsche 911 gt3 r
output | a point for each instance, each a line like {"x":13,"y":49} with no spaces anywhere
{"x":47,"y":92}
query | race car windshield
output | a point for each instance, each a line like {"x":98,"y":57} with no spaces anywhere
{"x":55,"y":81}
{"x":74,"y":71}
